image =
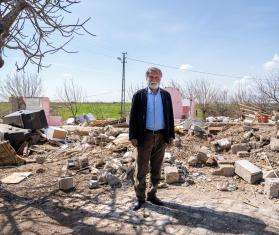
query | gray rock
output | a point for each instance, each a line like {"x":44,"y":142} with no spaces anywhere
{"x":113,"y":180}
{"x":240,"y":147}
{"x":271,"y":188}
{"x":93,"y":184}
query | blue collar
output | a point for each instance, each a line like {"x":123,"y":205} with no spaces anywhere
{"x":155,"y":93}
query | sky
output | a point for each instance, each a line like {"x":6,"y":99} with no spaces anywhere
{"x":237,"y":38}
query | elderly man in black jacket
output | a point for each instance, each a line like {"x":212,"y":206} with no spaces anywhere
{"x":151,"y":129}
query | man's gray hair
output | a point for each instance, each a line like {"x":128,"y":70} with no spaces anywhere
{"x":153,"y":69}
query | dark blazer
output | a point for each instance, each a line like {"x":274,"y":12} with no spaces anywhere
{"x":138,"y":115}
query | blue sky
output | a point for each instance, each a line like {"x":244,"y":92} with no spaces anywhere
{"x":238,"y":37}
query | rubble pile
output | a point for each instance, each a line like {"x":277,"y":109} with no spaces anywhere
{"x":230,"y":152}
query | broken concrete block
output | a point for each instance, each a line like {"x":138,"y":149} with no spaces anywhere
{"x":193,"y":161}
{"x":274,"y":144}
{"x":93,"y":184}
{"x":8,"y":155}
{"x":271,"y":188}
{"x":224,"y":170}
{"x":248,"y":171}
{"x":55,"y":133}
{"x":171,"y":174}
{"x":240,"y":147}
{"x":243,"y":154}
{"x":27,"y":119}
{"x":15,"y":177}
{"x":73,"y":163}
{"x":66,"y":183}
{"x":122,"y":139}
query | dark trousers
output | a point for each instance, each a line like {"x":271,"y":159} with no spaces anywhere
{"x":150,"y":158}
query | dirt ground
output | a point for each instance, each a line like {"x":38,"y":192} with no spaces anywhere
{"x":37,"y":206}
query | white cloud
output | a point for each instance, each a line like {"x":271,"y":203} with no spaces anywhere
{"x":272,"y":64}
{"x":185,"y":66}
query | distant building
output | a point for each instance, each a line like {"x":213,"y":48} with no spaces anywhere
{"x":182,"y":108}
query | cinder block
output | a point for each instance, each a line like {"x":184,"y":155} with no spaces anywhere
{"x":66,"y":183}
{"x":171,"y":174}
{"x":248,"y":171}
{"x":271,"y":188}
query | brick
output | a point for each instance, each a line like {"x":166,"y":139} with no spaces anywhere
{"x":240,"y":147}
{"x":66,"y":183}
{"x":171,"y":174}
{"x":271,"y":188}
{"x":248,"y":171}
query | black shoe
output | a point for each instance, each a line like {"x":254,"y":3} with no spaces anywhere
{"x":138,"y":205}
{"x":154,"y":200}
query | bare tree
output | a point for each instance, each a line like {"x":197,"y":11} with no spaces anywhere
{"x":21,"y":84}
{"x":133,"y":89}
{"x":72,"y":96}
{"x":204,"y":92}
{"x":37,"y":28}
{"x":182,"y":88}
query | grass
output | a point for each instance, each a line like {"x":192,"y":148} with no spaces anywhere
{"x":99,"y":110}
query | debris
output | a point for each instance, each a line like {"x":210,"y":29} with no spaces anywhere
{"x":226,"y":186}
{"x":83,"y":162}
{"x":203,"y":154}
{"x":271,"y":174}
{"x":274,"y":144}
{"x":73,"y":163}
{"x":222,"y":145}
{"x":171,"y":174}
{"x":122,"y":139}
{"x":214,"y":130}
{"x":271,"y":188}
{"x":27,"y":119}
{"x":248,"y":171}
{"x":40,"y":159}
{"x":240,"y":147}
{"x":211,"y":161}
{"x":93,"y":184}
{"x":193,"y":160}
{"x":224,"y":170}
{"x":16,"y":177}
{"x":197,"y":130}
{"x":243,"y":154}
{"x":55,"y":133}
{"x":100,"y":163}
{"x":70,"y":121}
{"x":40,"y":170}
{"x":178,"y":142}
{"x":8,"y":155}
{"x":66,"y":183}
{"x":113,"y":180}
{"x":169,"y":158}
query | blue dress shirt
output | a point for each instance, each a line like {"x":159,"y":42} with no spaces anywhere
{"x":154,"y":113}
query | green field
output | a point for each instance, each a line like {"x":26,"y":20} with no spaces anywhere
{"x":99,"y":110}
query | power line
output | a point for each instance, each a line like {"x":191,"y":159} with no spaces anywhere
{"x":190,"y":70}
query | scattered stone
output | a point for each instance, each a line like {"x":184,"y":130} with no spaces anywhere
{"x":171,"y":174}
{"x":83,"y":162}
{"x":163,"y":185}
{"x":73,"y":163}
{"x":248,"y":135}
{"x":274,"y":144}
{"x":113,"y":180}
{"x":222,"y":145}
{"x":271,"y":188}
{"x":100,"y":163}
{"x":193,"y":160}
{"x":203,"y":154}
{"x":211,"y":161}
{"x":243,"y":154}
{"x":40,"y":170}
{"x":248,"y":171}
{"x":226,"y":186}
{"x":177,"y":142}
{"x":169,"y":158}
{"x":40,"y":159}
{"x":224,"y":170}
{"x":93,"y":184}
{"x":56,"y":133}
{"x":240,"y":147}
{"x":66,"y":183}
{"x":122,"y":139}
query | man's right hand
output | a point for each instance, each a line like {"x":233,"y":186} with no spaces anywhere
{"x":134,"y":142}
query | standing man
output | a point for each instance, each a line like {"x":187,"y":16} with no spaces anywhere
{"x":151,"y":129}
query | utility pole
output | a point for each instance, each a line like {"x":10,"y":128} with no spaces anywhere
{"x":123,"y":61}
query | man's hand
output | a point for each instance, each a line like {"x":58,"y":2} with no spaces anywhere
{"x":134,"y":142}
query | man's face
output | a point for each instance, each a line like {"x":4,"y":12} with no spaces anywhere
{"x":153,"y":77}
